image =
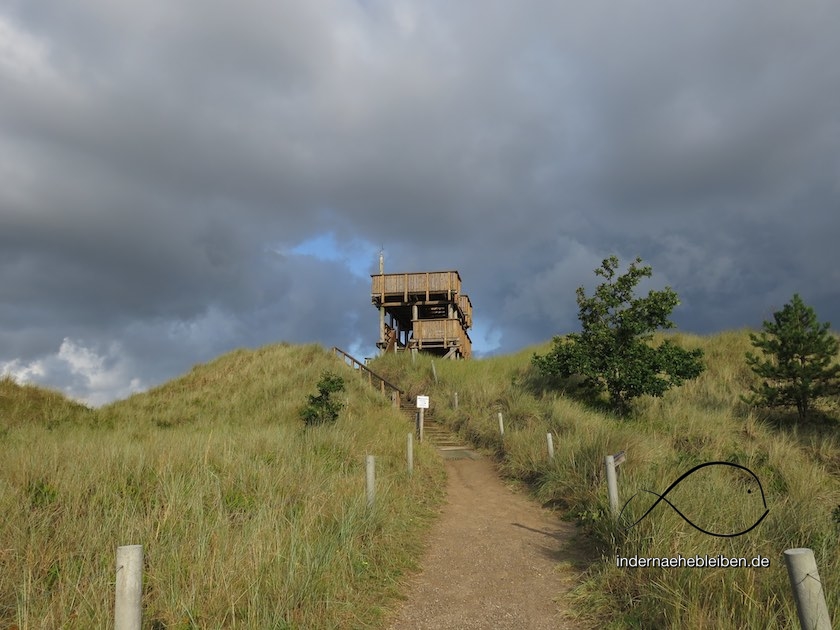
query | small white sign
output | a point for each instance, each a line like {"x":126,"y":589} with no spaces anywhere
{"x":422,"y":402}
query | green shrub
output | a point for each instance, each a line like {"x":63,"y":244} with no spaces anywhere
{"x":613,"y":352}
{"x":323,"y":409}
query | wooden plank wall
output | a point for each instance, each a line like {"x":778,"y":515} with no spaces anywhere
{"x":428,"y":281}
{"x":436,"y":330}
{"x":466,"y":308}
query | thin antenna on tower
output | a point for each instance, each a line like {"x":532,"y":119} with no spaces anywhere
{"x":381,"y":260}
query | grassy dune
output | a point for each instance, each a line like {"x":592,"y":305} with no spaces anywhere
{"x":247,"y":520}
{"x":799,"y":469}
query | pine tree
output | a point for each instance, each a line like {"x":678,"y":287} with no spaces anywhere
{"x":797,"y":366}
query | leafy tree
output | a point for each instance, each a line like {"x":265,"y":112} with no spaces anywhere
{"x":323,"y":409}
{"x":797,"y":363}
{"x":613,"y":351}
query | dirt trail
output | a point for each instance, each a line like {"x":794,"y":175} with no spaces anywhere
{"x":496,"y":560}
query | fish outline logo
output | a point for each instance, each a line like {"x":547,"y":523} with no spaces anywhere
{"x":661,"y":497}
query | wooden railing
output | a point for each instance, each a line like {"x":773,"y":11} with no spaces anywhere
{"x":436,"y":330}
{"x":441,"y":333}
{"x":423,"y":283}
{"x":373,"y":378}
{"x":465,"y":305}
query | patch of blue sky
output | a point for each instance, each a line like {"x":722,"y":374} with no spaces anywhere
{"x":359,"y":256}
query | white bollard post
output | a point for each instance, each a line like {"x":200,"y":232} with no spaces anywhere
{"x":456,"y":400}
{"x":434,"y":372}
{"x":807,"y":589}
{"x":550,"y":439}
{"x":128,"y":600}
{"x":612,"y":485}
{"x":371,"y":480}
{"x":410,"y":452}
{"x":501,"y":425}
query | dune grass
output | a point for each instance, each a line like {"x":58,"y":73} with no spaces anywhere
{"x":247,"y":519}
{"x":703,"y":421}
{"x":250,"y":521}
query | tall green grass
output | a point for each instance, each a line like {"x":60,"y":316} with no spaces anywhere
{"x":247,"y":520}
{"x":700,"y":422}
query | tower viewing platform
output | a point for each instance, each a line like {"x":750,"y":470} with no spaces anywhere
{"x":423,"y":311}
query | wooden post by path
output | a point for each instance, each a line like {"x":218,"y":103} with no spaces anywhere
{"x":807,"y":589}
{"x":420,"y":424}
{"x":612,"y":485}
{"x":128,"y":599}
{"x":371,"y":480}
{"x":409,"y":447}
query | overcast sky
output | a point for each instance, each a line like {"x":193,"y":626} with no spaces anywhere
{"x":178,"y":179}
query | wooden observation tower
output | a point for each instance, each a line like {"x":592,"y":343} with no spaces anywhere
{"x":422,"y":311}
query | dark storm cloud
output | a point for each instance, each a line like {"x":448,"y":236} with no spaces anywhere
{"x":161,"y":162}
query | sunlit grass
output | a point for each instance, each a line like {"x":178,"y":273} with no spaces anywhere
{"x":247,"y":520}
{"x":250,"y":521}
{"x":703,"y":421}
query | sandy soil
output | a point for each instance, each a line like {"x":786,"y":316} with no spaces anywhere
{"x":496,"y":560}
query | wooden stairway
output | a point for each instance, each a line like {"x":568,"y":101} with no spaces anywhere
{"x":449,"y":445}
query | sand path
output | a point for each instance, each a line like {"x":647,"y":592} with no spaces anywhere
{"x":496,"y":559}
